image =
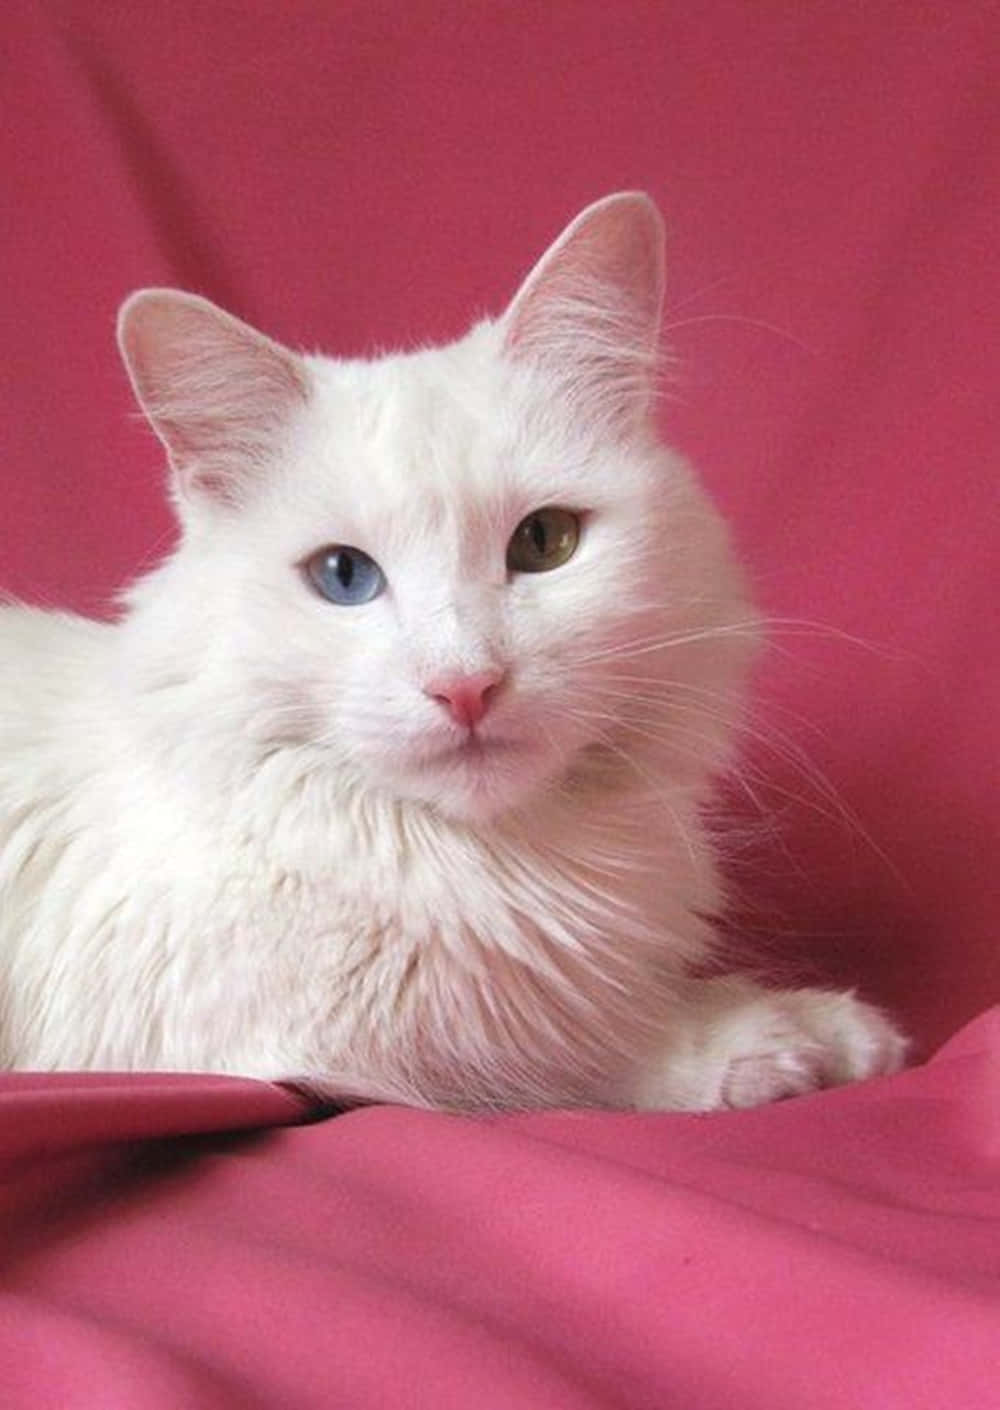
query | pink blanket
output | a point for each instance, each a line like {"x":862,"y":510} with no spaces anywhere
{"x":836,"y":1251}
{"x":350,"y":175}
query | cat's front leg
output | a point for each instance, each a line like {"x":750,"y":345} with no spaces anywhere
{"x":738,"y":1044}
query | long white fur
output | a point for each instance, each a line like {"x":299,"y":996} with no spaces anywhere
{"x":238,"y":835}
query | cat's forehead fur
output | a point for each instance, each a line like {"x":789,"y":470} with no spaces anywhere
{"x":455,"y":444}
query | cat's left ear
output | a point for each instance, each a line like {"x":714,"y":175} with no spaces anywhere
{"x":589,"y":311}
{"x":219,"y":395}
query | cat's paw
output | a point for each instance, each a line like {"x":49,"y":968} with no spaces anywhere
{"x":739,"y":1045}
{"x":802,"y":1040}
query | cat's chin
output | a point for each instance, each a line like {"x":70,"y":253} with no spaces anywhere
{"x":477,"y":779}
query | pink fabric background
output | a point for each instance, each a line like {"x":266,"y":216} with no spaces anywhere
{"x":835,"y":1252}
{"x":350,"y":175}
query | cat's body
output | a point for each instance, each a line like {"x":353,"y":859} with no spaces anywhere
{"x":419,"y":818}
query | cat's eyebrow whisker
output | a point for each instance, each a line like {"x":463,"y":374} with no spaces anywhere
{"x":759,"y":323}
{"x":644,"y":646}
{"x":763,"y":629}
{"x":698,"y":293}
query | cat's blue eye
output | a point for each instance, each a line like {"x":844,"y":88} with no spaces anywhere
{"x":344,"y":575}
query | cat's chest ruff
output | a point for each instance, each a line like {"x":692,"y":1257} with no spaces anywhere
{"x":384,"y":876}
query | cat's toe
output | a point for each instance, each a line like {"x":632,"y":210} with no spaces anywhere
{"x":858,"y":1039}
{"x":816,"y":1039}
{"x":794,"y":1066}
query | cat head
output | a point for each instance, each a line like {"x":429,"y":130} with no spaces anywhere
{"x":457,"y":576}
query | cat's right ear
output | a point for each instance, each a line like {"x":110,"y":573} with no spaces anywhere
{"x":219,"y":395}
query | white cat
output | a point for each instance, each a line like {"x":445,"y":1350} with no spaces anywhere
{"x":390,"y":778}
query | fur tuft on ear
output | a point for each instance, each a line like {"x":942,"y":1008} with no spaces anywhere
{"x":589,"y":311}
{"x":218,"y":394}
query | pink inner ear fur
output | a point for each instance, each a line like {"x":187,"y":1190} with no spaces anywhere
{"x":216,"y":391}
{"x":610,"y":259}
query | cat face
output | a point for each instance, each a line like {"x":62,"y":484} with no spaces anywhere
{"x":459,"y":576}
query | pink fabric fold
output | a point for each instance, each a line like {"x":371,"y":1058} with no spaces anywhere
{"x":838,"y":1250}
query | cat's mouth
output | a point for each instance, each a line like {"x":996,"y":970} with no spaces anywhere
{"x":472,"y":748}
{"x":473,"y":775}
{"x":470,"y":753}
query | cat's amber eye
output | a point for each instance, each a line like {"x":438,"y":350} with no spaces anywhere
{"x":544,"y":540}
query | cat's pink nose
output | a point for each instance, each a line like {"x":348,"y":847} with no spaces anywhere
{"x":467,"y":698}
